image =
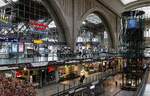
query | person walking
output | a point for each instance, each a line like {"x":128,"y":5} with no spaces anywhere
{"x":82,"y":78}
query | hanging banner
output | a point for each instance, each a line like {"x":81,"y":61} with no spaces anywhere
{"x":38,"y":26}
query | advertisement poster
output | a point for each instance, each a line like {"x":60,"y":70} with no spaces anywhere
{"x":21,"y":47}
{"x":14,"y":47}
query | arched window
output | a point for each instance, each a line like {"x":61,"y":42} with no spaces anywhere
{"x":93,"y":35}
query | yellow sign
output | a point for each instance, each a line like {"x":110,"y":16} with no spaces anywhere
{"x":38,"y":41}
{"x":4,"y":19}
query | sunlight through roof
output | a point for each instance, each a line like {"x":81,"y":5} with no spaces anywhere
{"x":127,"y":1}
{"x":146,"y":10}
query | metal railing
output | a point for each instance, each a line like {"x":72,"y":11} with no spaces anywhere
{"x":51,"y":57}
{"x":141,"y":88}
{"x":88,"y":81}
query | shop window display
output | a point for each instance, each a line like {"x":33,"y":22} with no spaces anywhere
{"x":68,"y":72}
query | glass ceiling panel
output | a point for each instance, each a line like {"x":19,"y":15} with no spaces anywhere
{"x":2,"y":3}
{"x":52,"y":25}
{"x":5,"y":2}
{"x":127,"y":1}
{"x":146,"y":10}
{"x":93,"y":19}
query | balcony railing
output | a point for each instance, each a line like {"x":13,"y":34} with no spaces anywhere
{"x":17,"y":59}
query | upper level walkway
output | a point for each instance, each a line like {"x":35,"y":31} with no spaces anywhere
{"x":51,"y":58}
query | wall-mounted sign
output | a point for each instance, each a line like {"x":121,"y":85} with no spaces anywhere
{"x":38,"y":41}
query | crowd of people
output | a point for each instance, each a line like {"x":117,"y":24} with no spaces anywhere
{"x":14,"y":87}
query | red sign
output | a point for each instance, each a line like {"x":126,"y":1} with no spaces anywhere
{"x":39,"y":26}
{"x":19,"y":74}
{"x":51,"y":69}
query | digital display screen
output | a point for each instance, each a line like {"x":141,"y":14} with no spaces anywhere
{"x":132,"y":24}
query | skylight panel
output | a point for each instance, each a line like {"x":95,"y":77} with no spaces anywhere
{"x":127,"y":1}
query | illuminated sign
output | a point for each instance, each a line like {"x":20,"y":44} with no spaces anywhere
{"x":51,"y":69}
{"x":38,"y":41}
{"x":38,"y":26}
{"x":19,"y":74}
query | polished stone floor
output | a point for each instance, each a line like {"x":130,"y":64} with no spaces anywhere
{"x":113,"y":89}
{"x":55,"y":88}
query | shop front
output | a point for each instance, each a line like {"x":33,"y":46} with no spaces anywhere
{"x":92,"y":67}
{"x":68,"y":72}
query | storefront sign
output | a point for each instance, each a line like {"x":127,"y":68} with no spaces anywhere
{"x":39,"y":64}
{"x":73,"y":61}
{"x":19,"y":74}
{"x":8,"y":68}
{"x":38,"y":42}
{"x":51,"y":69}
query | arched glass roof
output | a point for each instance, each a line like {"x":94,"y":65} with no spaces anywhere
{"x":93,"y":19}
{"x":127,"y":1}
{"x":146,"y":10}
{"x":5,"y":2}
